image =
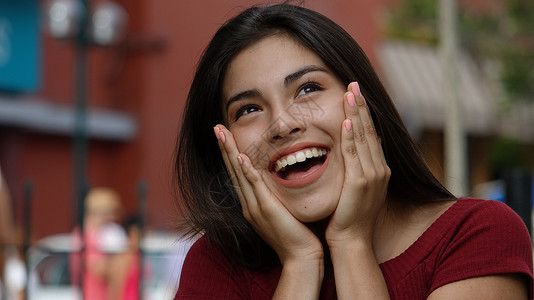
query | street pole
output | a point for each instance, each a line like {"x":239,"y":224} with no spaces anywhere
{"x":80,"y":117}
{"x":80,"y":133}
{"x":104,"y":26}
{"x":455,"y":137}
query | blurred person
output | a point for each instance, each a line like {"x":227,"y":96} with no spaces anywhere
{"x":12,"y":269}
{"x":103,"y":239}
{"x":6,"y":220}
{"x":126,"y":266}
{"x":6,"y":228}
{"x":312,"y":187}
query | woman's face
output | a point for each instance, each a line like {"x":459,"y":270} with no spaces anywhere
{"x":285,"y":110}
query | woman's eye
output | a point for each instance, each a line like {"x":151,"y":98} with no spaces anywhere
{"x":245,"y":110}
{"x":308,"y":88}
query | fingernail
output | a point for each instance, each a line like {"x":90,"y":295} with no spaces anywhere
{"x":356,"y":89}
{"x":350,"y":99}
{"x":348,"y":125}
{"x":239,"y":160}
{"x":222,"y":137}
{"x":216,"y":131}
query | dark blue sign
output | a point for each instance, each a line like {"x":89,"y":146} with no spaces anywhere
{"x":19,"y":45}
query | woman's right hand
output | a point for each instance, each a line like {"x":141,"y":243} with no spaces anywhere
{"x":293,"y":242}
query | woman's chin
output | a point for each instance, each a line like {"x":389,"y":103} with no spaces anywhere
{"x":309,"y":216}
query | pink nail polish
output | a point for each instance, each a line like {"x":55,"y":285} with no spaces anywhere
{"x":348,"y":125}
{"x":350,"y":99}
{"x":239,"y":160}
{"x":356,"y":89}
{"x":216,"y":131}
{"x":222,"y":137}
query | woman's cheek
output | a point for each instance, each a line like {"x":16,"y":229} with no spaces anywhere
{"x":253,"y":145}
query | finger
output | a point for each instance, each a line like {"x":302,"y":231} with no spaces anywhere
{"x":249,"y":201}
{"x":369,"y":130}
{"x":223,"y":144}
{"x":353,"y":167}
{"x":270,"y":209}
{"x":261,"y":191}
{"x":221,"y":141}
{"x":357,"y":144}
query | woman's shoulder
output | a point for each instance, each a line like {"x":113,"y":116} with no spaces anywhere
{"x":484,"y":212}
{"x":486,"y":231}
{"x":472,"y":216}
{"x":206,"y":272}
{"x":470,"y":238}
{"x":204,"y":252}
{"x":481,"y":237}
{"x":468,"y":225}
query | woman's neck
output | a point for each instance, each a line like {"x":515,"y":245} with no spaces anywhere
{"x":384,"y":229}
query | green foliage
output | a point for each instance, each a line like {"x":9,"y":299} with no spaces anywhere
{"x":506,"y":35}
{"x":510,"y":153}
{"x":414,"y":20}
{"x":518,"y":73}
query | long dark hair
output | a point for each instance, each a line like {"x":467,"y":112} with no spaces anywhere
{"x":208,"y":202}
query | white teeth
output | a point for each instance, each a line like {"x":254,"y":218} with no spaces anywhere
{"x":279,"y":165}
{"x":298,"y":157}
{"x":291,"y":160}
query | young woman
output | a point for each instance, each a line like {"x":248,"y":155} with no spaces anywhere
{"x":311,"y":186}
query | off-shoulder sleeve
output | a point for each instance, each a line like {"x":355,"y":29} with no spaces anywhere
{"x":491,"y":239}
{"x":208,"y":274}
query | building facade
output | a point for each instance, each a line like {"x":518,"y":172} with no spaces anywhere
{"x":135,"y":93}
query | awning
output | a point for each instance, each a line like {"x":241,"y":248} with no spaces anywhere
{"x":43,"y":116}
{"x":517,"y":120}
{"x":414,"y":77}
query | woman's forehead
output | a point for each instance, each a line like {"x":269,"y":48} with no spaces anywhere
{"x":270,"y":59}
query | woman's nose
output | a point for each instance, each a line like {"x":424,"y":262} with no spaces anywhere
{"x":283,"y":134}
{"x":286,"y":124}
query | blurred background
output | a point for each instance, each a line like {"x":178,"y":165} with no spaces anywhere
{"x":92,"y":91}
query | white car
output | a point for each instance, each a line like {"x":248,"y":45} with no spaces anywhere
{"x":48,"y":265}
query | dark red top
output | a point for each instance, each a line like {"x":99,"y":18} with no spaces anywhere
{"x":472,"y":238}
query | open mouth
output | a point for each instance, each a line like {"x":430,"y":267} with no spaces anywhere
{"x":299,"y":164}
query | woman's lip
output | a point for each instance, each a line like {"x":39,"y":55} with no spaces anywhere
{"x":303,"y":181}
{"x":309,"y":178}
{"x":294,"y":148}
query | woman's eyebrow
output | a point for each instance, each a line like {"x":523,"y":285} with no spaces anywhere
{"x":242,"y":95}
{"x":301,"y":72}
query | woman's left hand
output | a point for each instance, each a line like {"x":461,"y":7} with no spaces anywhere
{"x":366,"y":175}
